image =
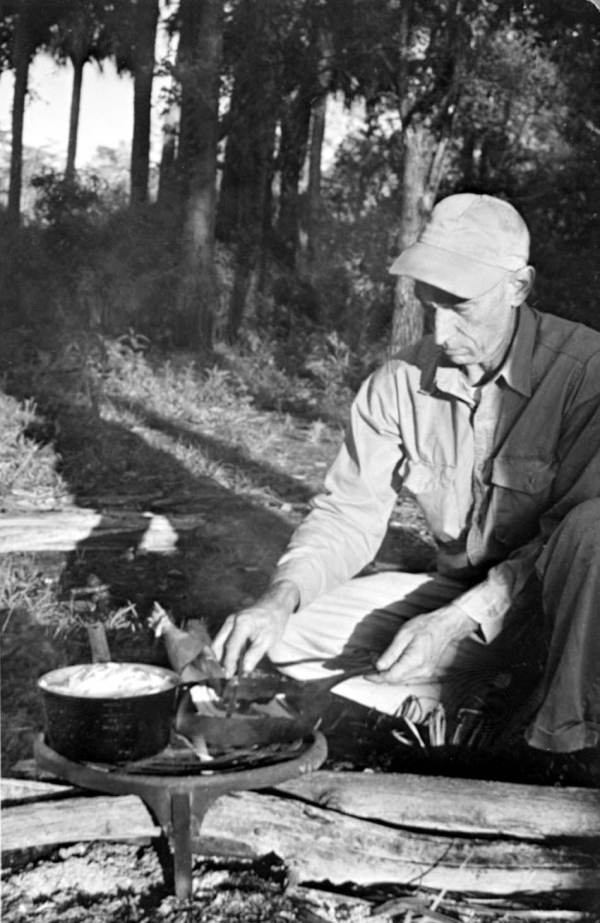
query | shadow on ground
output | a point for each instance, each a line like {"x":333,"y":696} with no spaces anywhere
{"x":220,"y":564}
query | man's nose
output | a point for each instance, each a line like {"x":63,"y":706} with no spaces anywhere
{"x":443,"y":324}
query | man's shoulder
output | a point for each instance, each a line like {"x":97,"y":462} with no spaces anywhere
{"x":419,"y":356}
{"x":408,"y":368}
{"x":568,"y":338}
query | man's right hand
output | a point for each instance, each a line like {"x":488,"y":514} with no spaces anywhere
{"x":247,"y":636}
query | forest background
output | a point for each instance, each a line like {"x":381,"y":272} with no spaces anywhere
{"x":241,"y":237}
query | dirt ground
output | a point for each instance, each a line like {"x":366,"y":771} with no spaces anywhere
{"x":123,"y":883}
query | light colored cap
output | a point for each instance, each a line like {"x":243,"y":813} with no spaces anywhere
{"x":469,"y":243}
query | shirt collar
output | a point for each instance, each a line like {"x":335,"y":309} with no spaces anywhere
{"x":515,"y":370}
{"x":517,"y":367}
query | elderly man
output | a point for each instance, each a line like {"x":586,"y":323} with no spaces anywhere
{"x":493,"y":424}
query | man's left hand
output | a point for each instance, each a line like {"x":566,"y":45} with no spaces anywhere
{"x":424,"y":646}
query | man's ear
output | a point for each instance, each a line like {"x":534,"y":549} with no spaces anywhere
{"x":522,"y":282}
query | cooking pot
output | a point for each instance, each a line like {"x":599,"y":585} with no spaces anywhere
{"x":108,"y":713}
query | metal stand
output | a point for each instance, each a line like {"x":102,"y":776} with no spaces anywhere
{"x":179,"y":803}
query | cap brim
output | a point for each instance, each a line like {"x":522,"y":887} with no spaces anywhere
{"x":451,"y":272}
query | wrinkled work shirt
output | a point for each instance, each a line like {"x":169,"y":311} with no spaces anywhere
{"x":494,"y":468}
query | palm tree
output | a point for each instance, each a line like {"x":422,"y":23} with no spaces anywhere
{"x":26,"y":27}
{"x":135,"y":28}
{"x":146,"y":20}
{"x":81,"y":34}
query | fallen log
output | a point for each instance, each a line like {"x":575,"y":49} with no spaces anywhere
{"x":65,"y":530}
{"x":463,"y":806}
{"x":318,"y":844}
{"x":436,"y":804}
{"x":22,"y":791}
{"x":75,"y":820}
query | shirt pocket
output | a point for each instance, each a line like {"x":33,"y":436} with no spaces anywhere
{"x":434,"y":487}
{"x":422,"y":478}
{"x":521,"y":493}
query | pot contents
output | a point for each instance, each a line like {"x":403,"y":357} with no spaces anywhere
{"x":107,"y":680}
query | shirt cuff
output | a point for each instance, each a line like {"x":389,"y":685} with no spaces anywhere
{"x":302,"y":574}
{"x":487,"y":604}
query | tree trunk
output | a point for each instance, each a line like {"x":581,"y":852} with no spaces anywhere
{"x":324,"y":45}
{"x":167,"y":174}
{"x":419,"y":158}
{"x":231,"y":181}
{"x":169,"y":191}
{"x":292,"y":154}
{"x":313,"y":195}
{"x":78,"y":65}
{"x":146,"y":19}
{"x":252,"y":209}
{"x":249,"y":157}
{"x":202,"y":38}
{"x":22,"y":56}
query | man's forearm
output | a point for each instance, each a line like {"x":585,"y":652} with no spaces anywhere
{"x":489,"y":602}
{"x":284,"y":594}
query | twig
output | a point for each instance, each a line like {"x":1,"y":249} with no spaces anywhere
{"x":21,"y":467}
{"x":410,"y":904}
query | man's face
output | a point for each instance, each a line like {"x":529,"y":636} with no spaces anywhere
{"x":474,"y":332}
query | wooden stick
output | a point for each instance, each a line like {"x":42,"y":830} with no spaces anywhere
{"x":98,"y":642}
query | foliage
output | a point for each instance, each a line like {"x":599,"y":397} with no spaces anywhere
{"x":513,"y":112}
{"x":517,"y":133}
{"x":358,"y":229}
{"x":83,"y":31}
{"x":61,"y":203}
{"x":38,"y":17}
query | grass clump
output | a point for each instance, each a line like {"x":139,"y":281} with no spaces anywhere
{"x":28,"y":466}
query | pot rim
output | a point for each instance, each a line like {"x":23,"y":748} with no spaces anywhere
{"x":172,"y":680}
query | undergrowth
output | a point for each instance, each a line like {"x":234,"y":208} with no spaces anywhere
{"x":168,"y":399}
{"x":115,"y":422}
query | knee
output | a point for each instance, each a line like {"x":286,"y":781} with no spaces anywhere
{"x":583,"y":519}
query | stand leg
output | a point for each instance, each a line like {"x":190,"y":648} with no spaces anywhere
{"x":182,"y":844}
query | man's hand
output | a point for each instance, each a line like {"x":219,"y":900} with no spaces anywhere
{"x":424,"y":646}
{"x":247,"y":636}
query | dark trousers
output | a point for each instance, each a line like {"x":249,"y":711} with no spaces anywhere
{"x":568,"y":718}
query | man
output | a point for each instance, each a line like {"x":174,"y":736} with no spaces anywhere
{"x":493,"y":424}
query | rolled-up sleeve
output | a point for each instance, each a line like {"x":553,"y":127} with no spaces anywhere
{"x":348,"y":521}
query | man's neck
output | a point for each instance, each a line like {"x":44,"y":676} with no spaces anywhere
{"x":480,"y":373}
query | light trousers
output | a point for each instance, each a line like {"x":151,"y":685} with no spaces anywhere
{"x":357,"y":621}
